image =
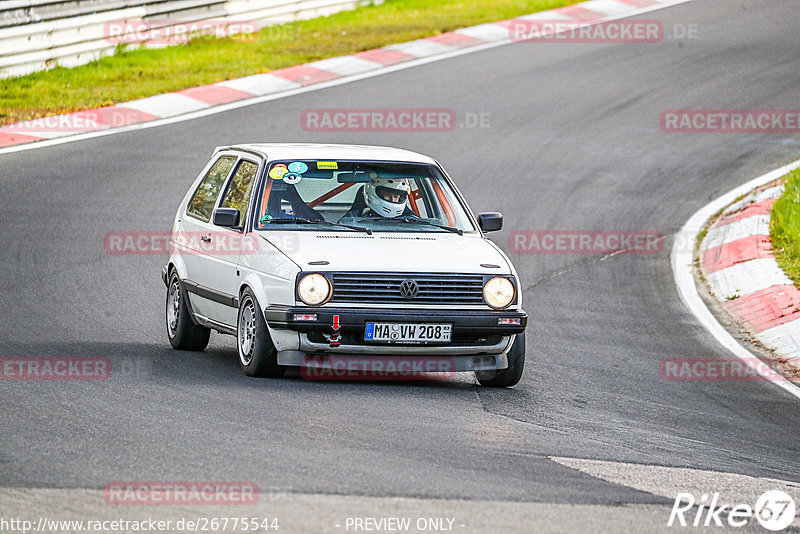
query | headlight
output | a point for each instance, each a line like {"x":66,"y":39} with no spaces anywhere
{"x":499,"y":292}
{"x":314,"y":289}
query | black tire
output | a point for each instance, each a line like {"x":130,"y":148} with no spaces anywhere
{"x":504,"y":378}
{"x":183,"y":334}
{"x":257,"y":353}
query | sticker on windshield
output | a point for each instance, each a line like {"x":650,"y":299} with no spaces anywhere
{"x":327,"y":165}
{"x":292,"y":178}
{"x":298,"y":167}
{"x":277,"y":172}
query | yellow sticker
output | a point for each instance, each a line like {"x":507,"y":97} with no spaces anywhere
{"x":277,"y":172}
{"x":327,"y":165}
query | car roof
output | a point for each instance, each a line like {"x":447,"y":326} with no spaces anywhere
{"x":281,"y":151}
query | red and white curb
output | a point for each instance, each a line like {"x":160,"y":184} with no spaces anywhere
{"x":737,"y":261}
{"x":720,"y":248}
{"x":198,"y":101}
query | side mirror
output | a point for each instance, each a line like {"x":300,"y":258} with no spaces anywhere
{"x":226,"y":217}
{"x":490,"y":221}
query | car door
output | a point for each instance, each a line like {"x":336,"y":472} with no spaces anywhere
{"x":194,"y":231}
{"x":220,"y":274}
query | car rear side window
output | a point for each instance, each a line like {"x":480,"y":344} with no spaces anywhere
{"x":240,"y":188}
{"x":202,"y":203}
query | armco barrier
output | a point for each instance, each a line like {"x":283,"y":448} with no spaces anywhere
{"x":40,"y":34}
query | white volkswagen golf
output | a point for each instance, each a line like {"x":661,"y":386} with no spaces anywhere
{"x":313,"y":254}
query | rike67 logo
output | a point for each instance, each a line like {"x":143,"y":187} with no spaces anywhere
{"x":774,"y":510}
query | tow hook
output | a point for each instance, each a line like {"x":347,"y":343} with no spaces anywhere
{"x":335,"y":340}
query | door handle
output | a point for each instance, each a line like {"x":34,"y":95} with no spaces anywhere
{"x":206,"y":238}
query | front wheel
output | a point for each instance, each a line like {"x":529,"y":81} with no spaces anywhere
{"x":257,"y":353}
{"x":504,"y":378}
{"x":183,"y":334}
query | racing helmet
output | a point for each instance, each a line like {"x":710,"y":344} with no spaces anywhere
{"x":387,"y":196}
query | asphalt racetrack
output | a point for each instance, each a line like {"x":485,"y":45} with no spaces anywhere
{"x":570,"y":140}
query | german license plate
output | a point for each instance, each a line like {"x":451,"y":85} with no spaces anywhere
{"x":408,"y":333}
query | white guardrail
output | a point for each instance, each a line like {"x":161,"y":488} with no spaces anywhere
{"x":40,"y":34}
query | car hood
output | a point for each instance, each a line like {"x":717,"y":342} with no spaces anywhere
{"x":389,"y":251}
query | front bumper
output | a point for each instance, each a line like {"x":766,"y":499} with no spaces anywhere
{"x":478,"y":341}
{"x":466,"y":323}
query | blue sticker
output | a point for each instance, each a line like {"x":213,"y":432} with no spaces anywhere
{"x":292,"y":178}
{"x":298,"y":167}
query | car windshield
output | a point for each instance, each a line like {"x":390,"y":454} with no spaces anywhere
{"x":347,"y":196}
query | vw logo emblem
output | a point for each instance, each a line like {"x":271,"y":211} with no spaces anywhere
{"x":409,"y":289}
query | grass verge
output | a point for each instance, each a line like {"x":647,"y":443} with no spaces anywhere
{"x":785,"y":228}
{"x":139,"y":73}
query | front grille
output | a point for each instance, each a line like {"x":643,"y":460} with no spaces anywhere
{"x":387,"y":288}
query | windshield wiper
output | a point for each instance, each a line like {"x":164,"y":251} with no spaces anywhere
{"x":304,"y":220}
{"x":414,"y":220}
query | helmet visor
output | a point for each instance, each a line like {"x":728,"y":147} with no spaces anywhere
{"x":394,"y":196}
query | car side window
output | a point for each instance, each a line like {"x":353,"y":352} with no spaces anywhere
{"x":240,"y":188}
{"x":201,"y":206}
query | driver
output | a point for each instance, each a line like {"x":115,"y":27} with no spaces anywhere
{"x":385,"y":197}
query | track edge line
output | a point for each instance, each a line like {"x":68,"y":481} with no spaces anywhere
{"x":682,"y":260}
